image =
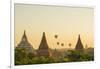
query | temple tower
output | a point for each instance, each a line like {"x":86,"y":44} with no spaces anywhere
{"x":79,"y":45}
{"x":44,"y":49}
{"x":25,"y":44}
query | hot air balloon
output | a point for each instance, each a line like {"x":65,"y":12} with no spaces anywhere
{"x":62,"y":44}
{"x":70,"y":45}
{"x":57,"y":43}
{"x":56,"y":36}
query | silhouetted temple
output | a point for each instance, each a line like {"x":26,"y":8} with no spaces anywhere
{"x":43,"y":47}
{"x":25,"y":44}
{"x":79,"y":45}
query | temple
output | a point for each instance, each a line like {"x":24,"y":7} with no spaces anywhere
{"x":79,"y":45}
{"x":44,"y":49}
{"x":25,"y":44}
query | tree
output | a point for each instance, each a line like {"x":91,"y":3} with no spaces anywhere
{"x":20,"y":56}
{"x":79,"y":56}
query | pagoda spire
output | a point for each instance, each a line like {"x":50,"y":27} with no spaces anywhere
{"x":24,"y":37}
{"x":43,"y":47}
{"x":24,"y":32}
{"x":43,"y":44}
{"x":24,"y":43}
{"x":79,"y":45}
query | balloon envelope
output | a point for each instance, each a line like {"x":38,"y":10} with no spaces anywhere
{"x":56,"y":36}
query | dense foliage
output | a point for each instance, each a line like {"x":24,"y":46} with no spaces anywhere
{"x":22,"y":57}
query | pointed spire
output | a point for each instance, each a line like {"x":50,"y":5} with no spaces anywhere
{"x":43,"y":47}
{"x":43,"y":33}
{"x":25,"y":44}
{"x":79,"y":45}
{"x":43,"y":44}
{"x":24,"y":32}
{"x":79,"y":36}
{"x":24,"y":36}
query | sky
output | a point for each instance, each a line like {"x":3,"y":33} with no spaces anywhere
{"x":66,"y":22}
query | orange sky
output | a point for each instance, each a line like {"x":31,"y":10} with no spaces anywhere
{"x":66,"y":22}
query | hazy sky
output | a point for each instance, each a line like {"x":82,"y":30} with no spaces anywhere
{"x":66,"y":22}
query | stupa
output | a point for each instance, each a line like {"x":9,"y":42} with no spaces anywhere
{"x":24,"y":44}
{"x":79,"y":45}
{"x":44,"y":49}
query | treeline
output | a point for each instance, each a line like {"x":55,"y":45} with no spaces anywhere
{"x":22,"y":57}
